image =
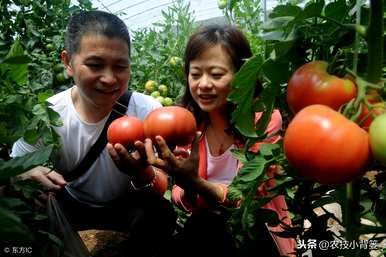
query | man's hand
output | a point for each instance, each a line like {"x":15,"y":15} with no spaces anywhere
{"x":128,"y":162}
{"x":50,"y":179}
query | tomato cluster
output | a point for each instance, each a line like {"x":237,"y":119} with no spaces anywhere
{"x":175,"y":124}
{"x":322,"y":144}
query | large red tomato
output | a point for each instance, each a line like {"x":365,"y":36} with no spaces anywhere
{"x":312,"y":84}
{"x":125,"y":130}
{"x":160,"y":184}
{"x":175,"y":124}
{"x":324,"y":146}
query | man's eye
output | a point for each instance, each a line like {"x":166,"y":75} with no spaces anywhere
{"x":121,"y":67}
{"x":93,"y":65}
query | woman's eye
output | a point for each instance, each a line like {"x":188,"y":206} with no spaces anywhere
{"x":217,"y":75}
{"x":195,"y":75}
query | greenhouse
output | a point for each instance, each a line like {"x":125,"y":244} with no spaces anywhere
{"x":228,"y":128}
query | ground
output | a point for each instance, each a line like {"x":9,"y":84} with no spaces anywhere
{"x":103,"y":243}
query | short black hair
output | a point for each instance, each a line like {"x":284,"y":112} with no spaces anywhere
{"x":94,"y":23}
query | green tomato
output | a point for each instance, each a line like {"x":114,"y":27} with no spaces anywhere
{"x":150,"y":86}
{"x":59,"y":67}
{"x":50,"y":47}
{"x":174,"y":60}
{"x":168,"y":101}
{"x":222,"y":4}
{"x":163,"y":89}
{"x":160,"y":99}
{"x":155,"y":94}
{"x":377,"y":132}
{"x":61,"y":77}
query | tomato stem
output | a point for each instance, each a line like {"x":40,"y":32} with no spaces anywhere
{"x":375,"y":42}
{"x":361,"y":30}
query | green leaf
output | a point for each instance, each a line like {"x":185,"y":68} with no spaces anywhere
{"x":242,"y":94}
{"x":16,"y":55}
{"x":277,"y":71}
{"x":285,"y":10}
{"x":252,"y":169}
{"x":268,"y":149}
{"x":12,"y":228}
{"x":39,"y":110}
{"x":336,"y":10}
{"x":19,"y":165}
{"x":43,"y":96}
{"x":311,"y":10}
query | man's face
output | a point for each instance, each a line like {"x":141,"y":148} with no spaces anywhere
{"x":100,"y":69}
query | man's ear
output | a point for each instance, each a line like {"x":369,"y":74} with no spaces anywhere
{"x":66,"y":59}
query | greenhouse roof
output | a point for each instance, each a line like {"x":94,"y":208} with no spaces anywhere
{"x":144,"y":13}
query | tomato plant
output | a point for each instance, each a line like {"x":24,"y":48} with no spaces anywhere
{"x":366,"y":117}
{"x":175,"y":124}
{"x":377,"y":133}
{"x":125,"y":130}
{"x":324,"y":146}
{"x":312,"y":84}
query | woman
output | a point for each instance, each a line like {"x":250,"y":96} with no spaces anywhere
{"x":212,"y":57}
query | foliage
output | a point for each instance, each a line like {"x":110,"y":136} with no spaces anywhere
{"x":154,"y":49}
{"x":293,"y":35}
{"x":248,"y":15}
{"x":31,"y":38}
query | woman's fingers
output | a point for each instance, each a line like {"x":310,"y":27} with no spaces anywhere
{"x":195,"y":146}
{"x":165,"y":152}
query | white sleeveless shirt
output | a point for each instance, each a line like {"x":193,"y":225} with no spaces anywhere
{"x":223,"y":168}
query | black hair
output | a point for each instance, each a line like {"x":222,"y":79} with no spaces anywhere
{"x":94,"y":23}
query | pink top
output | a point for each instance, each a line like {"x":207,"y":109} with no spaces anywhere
{"x":285,"y":245}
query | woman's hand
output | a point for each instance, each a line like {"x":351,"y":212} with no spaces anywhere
{"x":49,"y":178}
{"x":183,"y":169}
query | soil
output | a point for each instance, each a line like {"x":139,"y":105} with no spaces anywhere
{"x":103,"y":243}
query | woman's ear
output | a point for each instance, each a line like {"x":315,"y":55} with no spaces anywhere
{"x":66,"y":59}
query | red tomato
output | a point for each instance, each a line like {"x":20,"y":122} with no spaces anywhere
{"x":175,"y":124}
{"x":326,"y":147}
{"x":160,"y":184}
{"x":311,"y":84}
{"x":125,"y":130}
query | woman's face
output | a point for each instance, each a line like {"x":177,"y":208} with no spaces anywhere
{"x":210,"y":75}
{"x":100,"y":69}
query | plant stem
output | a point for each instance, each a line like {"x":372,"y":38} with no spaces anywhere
{"x":375,"y":41}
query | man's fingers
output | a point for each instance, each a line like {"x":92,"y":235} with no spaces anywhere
{"x":56,"y":178}
{"x":113,"y":153}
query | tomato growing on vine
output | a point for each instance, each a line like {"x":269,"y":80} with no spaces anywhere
{"x":324,"y":146}
{"x":312,"y":84}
